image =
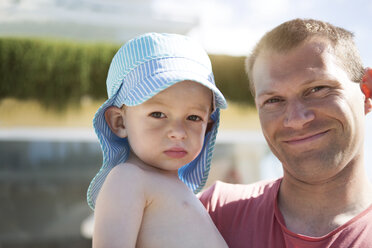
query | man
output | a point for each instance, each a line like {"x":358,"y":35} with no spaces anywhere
{"x":304,"y":76}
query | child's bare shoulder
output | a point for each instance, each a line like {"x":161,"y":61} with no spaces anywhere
{"x":127,"y":170}
{"x":152,"y":183}
{"x":130,"y":184}
{"x":125,"y":174}
{"x":133,"y":177}
{"x":124,"y":182}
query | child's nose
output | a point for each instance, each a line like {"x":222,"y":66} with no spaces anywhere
{"x":177,"y":130}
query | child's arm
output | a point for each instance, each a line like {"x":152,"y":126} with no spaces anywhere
{"x":119,"y":208}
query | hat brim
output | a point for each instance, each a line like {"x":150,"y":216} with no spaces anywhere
{"x":165,"y":73}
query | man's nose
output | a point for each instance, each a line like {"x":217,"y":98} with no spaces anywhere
{"x":297,"y":114}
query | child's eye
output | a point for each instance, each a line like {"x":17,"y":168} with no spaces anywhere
{"x":194,"y":118}
{"x":157,"y":115}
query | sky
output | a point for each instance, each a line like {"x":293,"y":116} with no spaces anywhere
{"x":222,"y":26}
{"x":234,"y":26}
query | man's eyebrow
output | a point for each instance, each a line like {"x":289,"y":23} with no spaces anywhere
{"x":326,"y":77}
{"x":266,"y":93}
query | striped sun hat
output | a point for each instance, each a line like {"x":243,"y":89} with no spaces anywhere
{"x":141,"y":68}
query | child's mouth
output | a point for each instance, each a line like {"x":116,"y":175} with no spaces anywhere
{"x":176,"y":152}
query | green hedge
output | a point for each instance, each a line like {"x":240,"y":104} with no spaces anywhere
{"x":59,"y":72}
{"x":231,"y":79}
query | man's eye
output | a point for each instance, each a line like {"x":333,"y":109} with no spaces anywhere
{"x":316,"y":89}
{"x":194,"y":118}
{"x":272,"y":100}
{"x":157,"y":115}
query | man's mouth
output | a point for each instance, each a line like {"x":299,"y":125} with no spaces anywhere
{"x":304,"y":139}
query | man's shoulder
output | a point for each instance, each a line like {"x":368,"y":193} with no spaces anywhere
{"x":246,"y":190}
{"x":256,"y":188}
{"x":222,"y":192}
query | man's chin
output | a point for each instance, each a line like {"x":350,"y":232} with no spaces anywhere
{"x":311,"y":160}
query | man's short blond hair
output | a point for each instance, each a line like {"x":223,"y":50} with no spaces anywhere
{"x":292,"y":33}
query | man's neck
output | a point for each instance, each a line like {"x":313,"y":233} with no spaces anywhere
{"x":315,"y":209}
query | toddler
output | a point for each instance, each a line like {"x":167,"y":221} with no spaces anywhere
{"x":157,"y":131}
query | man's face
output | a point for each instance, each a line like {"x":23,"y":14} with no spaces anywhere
{"x":311,"y":114}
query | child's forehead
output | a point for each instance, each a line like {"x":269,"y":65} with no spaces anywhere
{"x":184,"y":88}
{"x":185,"y":92}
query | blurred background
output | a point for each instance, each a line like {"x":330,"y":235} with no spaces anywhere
{"x":54,"y":57}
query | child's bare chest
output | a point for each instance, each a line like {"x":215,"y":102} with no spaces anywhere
{"x":175,"y":217}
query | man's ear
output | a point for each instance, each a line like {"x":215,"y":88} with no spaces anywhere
{"x":367,"y":105}
{"x":115,"y":120}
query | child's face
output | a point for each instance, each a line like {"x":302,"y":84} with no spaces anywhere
{"x":168,"y":130}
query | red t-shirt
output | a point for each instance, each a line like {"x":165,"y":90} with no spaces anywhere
{"x":248,"y":216}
